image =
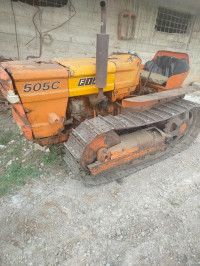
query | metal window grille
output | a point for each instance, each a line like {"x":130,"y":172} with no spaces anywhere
{"x":172,"y":21}
{"x":52,"y":3}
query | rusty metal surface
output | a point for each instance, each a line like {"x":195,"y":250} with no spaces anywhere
{"x":132,"y":146}
{"x":130,"y":26}
{"x":147,"y":160}
{"x":51,"y":140}
{"x":131,"y":121}
{"x":42,"y":89}
{"x":34,"y":70}
{"x":105,"y":140}
{"x":7,"y":89}
{"x":157,"y":97}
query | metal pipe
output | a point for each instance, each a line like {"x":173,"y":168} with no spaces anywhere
{"x":102,"y":55}
{"x":103,"y":16}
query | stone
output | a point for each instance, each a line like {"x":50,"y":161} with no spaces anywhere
{"x":9,"y":163}
{"x":2,"y":147}
{"x":38,"y":147}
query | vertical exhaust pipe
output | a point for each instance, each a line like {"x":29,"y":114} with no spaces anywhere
{"x":102,"y":54}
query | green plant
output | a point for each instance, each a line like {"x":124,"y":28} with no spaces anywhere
{"x":16,"y":176}
{"x":6,"y":138}
{"x":55,"y":154}
{"x":172,"y":202}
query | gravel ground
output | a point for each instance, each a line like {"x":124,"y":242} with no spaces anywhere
{"x":150,"y":218}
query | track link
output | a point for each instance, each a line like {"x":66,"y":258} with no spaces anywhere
{"x":89,"y":129}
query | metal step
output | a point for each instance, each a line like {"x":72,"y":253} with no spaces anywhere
{"x":158,"y":97}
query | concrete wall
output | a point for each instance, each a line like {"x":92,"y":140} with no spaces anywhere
{"x":77,"y":38}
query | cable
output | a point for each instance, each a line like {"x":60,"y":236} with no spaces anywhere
{"x":40,"y":36}
{"x":15,"y":29}
{"x":73,"y":10}
{"x":46,"y":33}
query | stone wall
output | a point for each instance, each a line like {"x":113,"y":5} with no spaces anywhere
{"x":77,"y":38}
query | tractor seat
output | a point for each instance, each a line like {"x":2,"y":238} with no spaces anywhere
{"x":153,"y":78}
{"x":162,"y":68}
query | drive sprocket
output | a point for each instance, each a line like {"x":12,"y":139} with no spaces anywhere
{"x":177,"y":127}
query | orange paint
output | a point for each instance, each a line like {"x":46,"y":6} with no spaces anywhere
{"x":173,"y":81}
{"x":132,"y":104}
{"x":127,"y":157}
{"x":125,"y":152}
{"x":22,"y":121}
{"x":39,"y":91}
{"x":43,"y":92}
{"x":52,"y":140}
{"x":182,"y":128}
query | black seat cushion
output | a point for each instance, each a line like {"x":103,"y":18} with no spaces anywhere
{"x":167,"y":66}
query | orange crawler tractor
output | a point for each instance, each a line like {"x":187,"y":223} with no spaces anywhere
{"x":111,"y":112}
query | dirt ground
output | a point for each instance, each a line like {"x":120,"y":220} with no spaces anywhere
{"x":48,"y":216}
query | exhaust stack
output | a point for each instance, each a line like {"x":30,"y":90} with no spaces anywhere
{"x":102,"y":54}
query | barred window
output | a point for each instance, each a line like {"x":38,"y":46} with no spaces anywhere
{"x":172,"y":21}
{"x":52,"y":3}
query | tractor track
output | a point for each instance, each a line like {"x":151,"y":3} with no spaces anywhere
{"x":89,"y":129}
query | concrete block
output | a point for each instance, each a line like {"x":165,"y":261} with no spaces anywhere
{"x":77,"y":38}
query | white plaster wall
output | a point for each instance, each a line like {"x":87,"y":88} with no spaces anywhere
{"x":77,"y":38}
